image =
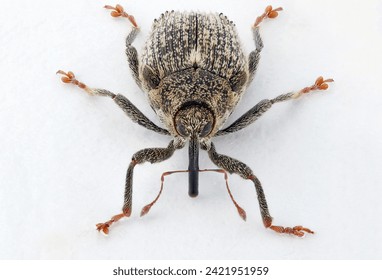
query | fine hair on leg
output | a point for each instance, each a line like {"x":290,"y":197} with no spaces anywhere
{"x":125,"y":104}
{"x":259,"y":109}
{"x":232,"y":165}
{"x":152,"y":155}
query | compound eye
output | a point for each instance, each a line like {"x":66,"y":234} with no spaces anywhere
{"x":206,"y":130}
{"x":181,"y":129}
{"x":150,"y":77}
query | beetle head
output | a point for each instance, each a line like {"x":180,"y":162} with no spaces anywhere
{"x":194,"y":119}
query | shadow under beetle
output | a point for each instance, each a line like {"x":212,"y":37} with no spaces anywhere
{"x":194,"y":72}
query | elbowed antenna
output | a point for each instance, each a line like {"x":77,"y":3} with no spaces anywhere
{"x":193,"y":167}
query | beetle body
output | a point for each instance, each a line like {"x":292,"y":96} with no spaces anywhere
{"x":193,"y":60}
{"x":194,"y":72}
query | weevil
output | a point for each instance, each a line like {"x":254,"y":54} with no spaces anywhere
{"x":194,"y":72}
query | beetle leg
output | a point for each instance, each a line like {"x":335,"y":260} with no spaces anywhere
{"x":132,"y":56}
{"x":118,"y":11}
{"x":70,"y":78}
{"x":137,"y":116}
{"x":269,"y":12}
{"x":152,"y":155}
{"x":255,"y":112}
{"x":104,"y":227}
{"x":254,"y":56}
{"x":297,"y":230}
{"x":131,"y":111}
{"x":131,"y":52}
{"x":320,"y":84}
{"x":232,"y":165}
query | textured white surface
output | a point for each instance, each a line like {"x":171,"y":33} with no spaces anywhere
{"x":64,"y":154}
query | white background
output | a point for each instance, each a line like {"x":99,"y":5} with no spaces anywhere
{"x":64,"y":154}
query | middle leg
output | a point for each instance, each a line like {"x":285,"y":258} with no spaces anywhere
{"x":254,"y":113}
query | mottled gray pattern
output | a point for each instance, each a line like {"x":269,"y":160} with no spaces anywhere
{"x":180,"y":41}
{"x":194,"y":85}
{"x":132,"y":56}
{"x":246,"y":119}
{"x":254,"y":56}
{"x":234,"y":166}
{"x":137,"y":116}
{"x":267,"y":219}
{"x":254,"y":113}
{"x":152,"y":155}
{"x":283,"y":97}
{"x":193,"y":57}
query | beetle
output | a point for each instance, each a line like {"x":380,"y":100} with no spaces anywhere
{"x":194,"y":72}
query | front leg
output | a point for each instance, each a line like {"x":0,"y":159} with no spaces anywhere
{"x":234,"y":166}
{"x":152,"y":155}
{"x":131,"y":111}
{"x":254,"y":113}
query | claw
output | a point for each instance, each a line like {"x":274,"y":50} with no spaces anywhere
{"x":297,"y":230}
{"x":118,"y":11}
{"x":320,"y":84}
{"x":269,"y":12}
{"x":70,"y":78}
{"x":104,"y":227}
